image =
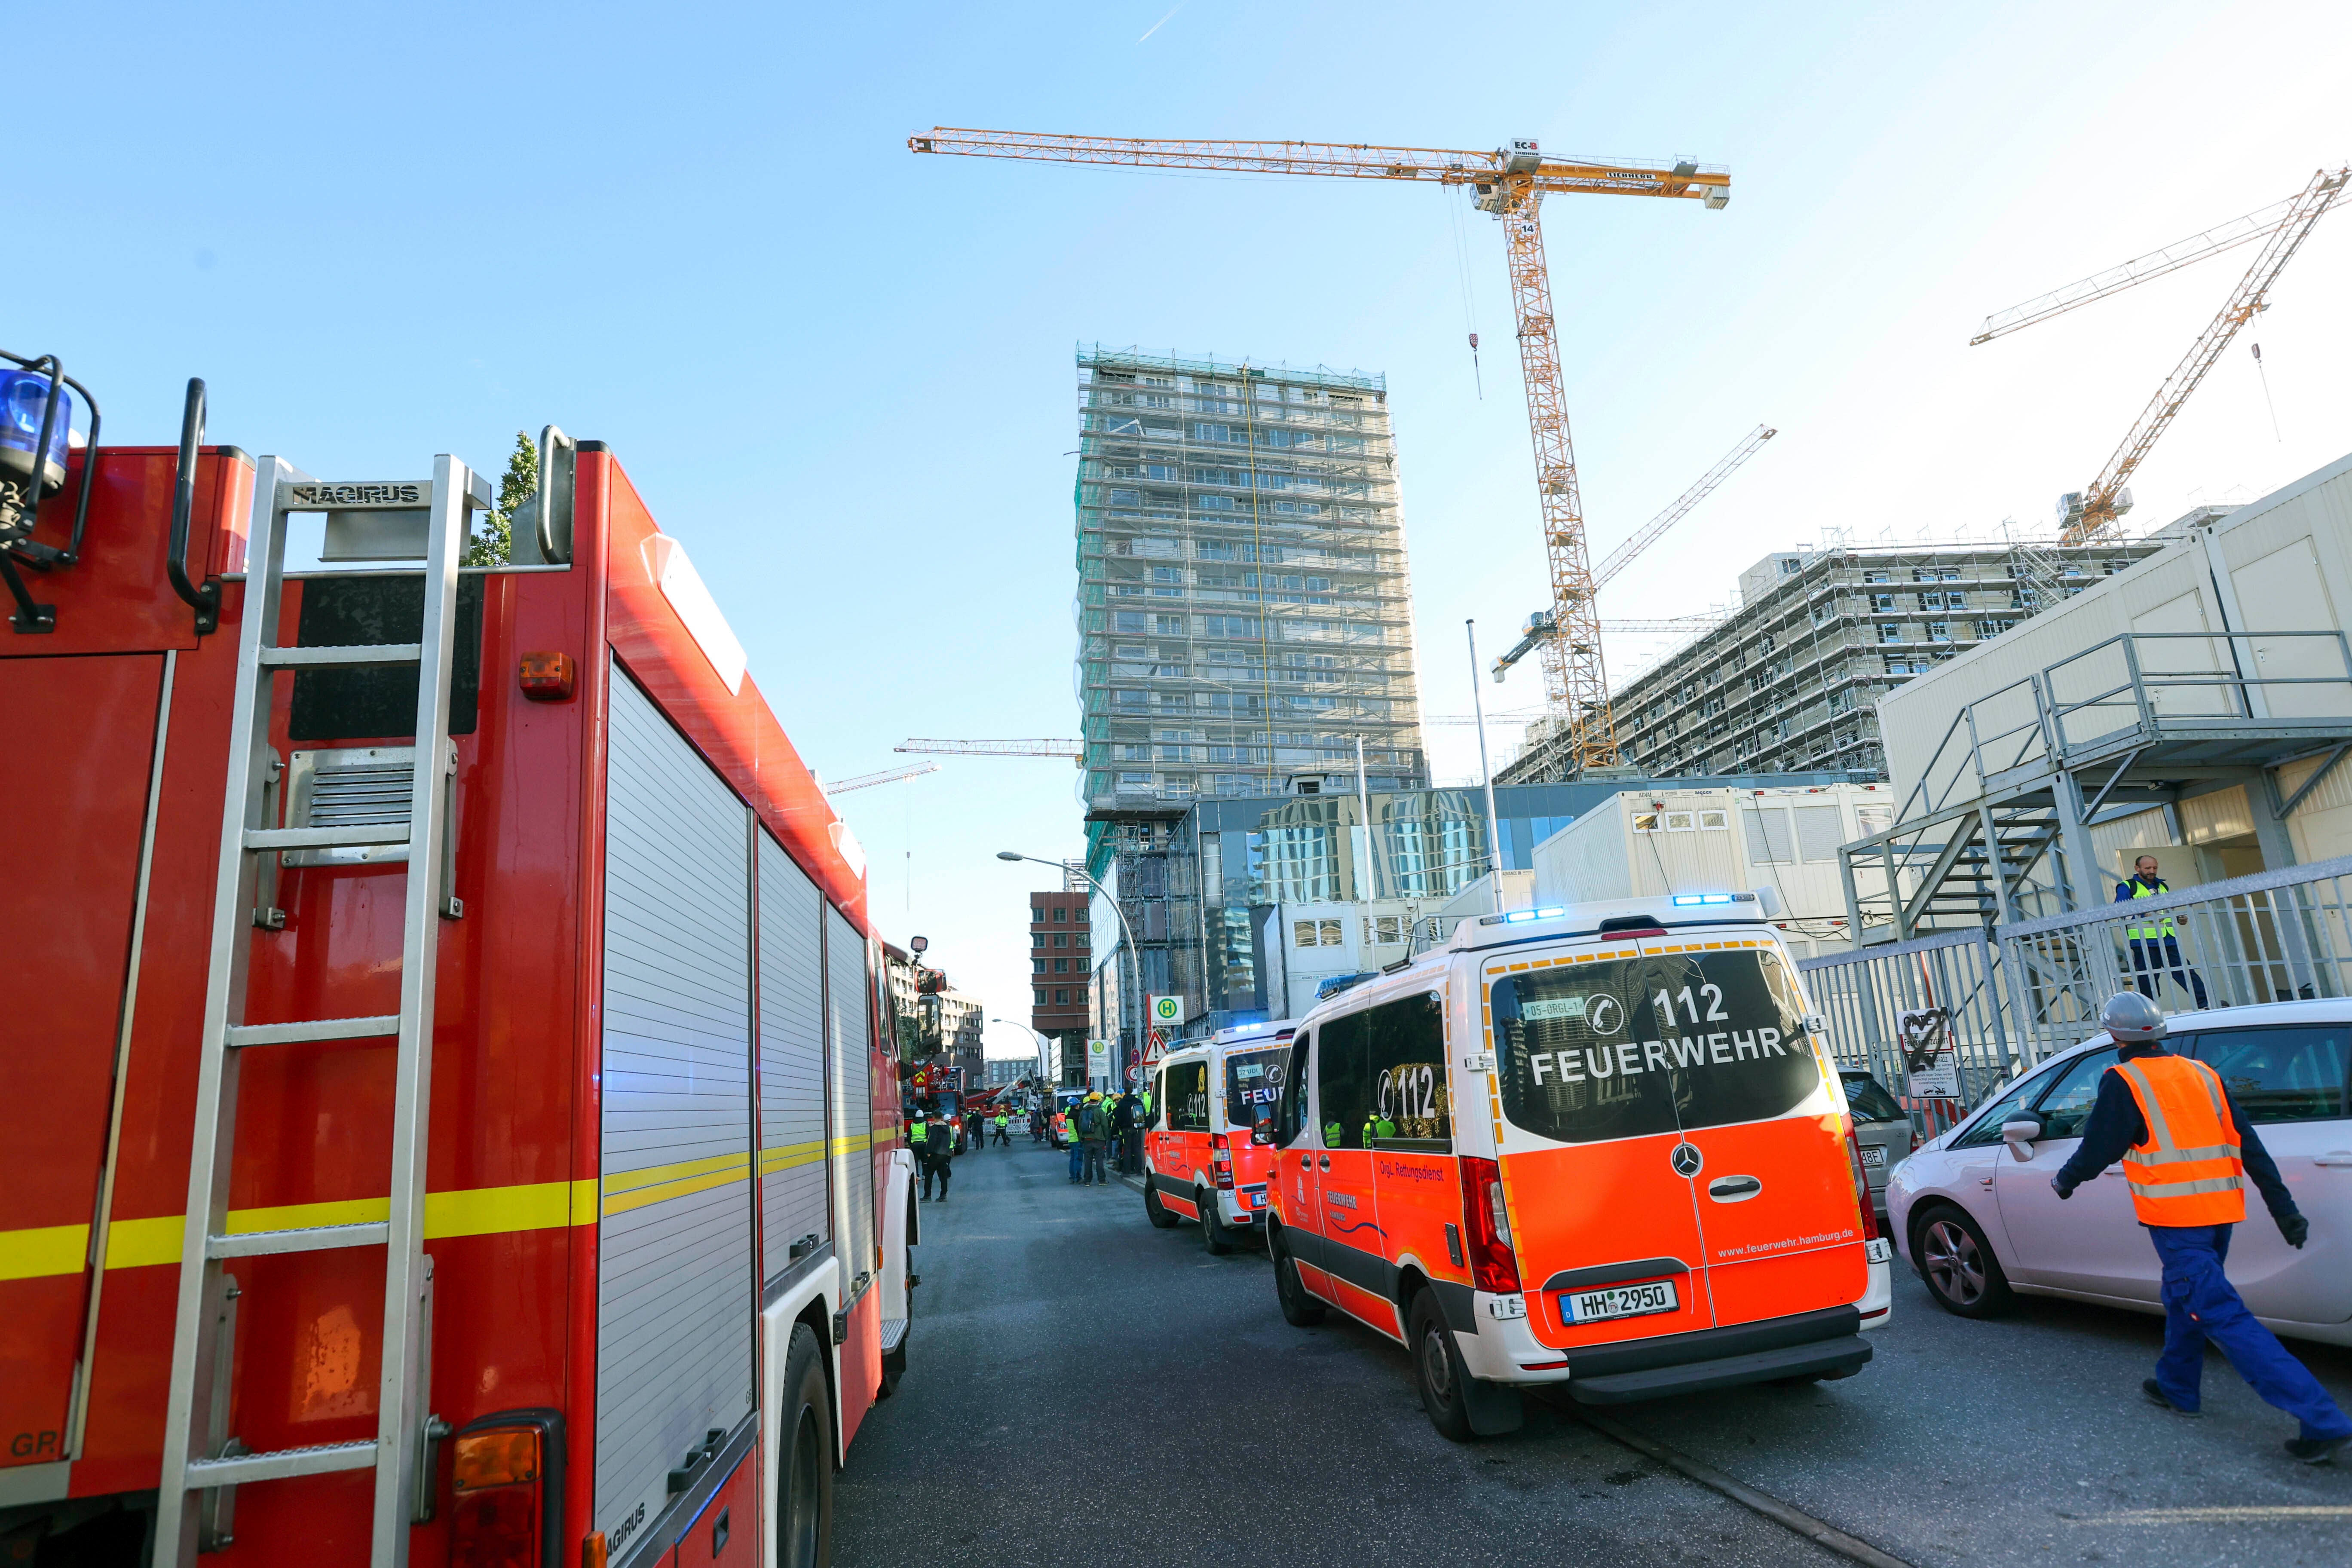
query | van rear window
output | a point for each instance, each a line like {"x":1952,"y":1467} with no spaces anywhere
{"x":1634,"y":1046}
{"x":1253,"y":1085}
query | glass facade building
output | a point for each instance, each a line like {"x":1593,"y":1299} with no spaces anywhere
{"x":1243,"y":609}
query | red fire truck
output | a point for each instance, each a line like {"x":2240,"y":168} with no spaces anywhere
{"x":453,"y":1107}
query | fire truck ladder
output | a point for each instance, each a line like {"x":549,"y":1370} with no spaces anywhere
{"x":203,"y":1461}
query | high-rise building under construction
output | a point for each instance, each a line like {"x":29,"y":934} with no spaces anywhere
{"x":1244,"y":609}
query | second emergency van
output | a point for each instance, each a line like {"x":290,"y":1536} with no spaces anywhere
{"x":1601,"y":1146}
{"x":1208,"y":1150}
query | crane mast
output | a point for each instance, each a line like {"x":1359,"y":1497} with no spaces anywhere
{"x":1510,"y":184}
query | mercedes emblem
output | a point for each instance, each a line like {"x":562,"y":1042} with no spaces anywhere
{"x":1686,"y":1159}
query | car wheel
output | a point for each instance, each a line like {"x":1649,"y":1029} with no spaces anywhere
{"x":1959,"y":1264}
{"x":1214,"y":1234}
{"x":804,"y":1470}
{"x":1158,"y":1212}
{"x":1437,"y":1370}
{"x":1299,"y":1309}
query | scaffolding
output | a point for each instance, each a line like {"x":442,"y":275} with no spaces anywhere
{"x":1790,"y":681}
{"x":1244,"y":606}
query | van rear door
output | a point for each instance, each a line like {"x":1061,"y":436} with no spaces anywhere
{"x":1703,"y":1149}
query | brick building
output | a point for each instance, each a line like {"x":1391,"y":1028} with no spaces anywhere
{"x":1059,"y":958}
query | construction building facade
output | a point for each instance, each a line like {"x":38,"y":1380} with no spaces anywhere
{"x":1791,"y":681}
{"x":1243,"y":609}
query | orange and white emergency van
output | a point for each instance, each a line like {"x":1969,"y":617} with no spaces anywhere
{"x":1602,"y":1147}
{"x":1208,"y":1151}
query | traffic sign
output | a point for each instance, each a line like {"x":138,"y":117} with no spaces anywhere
{"x":1134,"y":1077}
{"x":1168,"y":1009}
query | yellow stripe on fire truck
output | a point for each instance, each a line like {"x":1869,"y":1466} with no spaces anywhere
{"x":47,"y":1250}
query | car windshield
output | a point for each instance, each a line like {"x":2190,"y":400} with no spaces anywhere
{"x":1627,"y":1047}
{"x":1253,"y":1084}
{"x":1868,"y":1098}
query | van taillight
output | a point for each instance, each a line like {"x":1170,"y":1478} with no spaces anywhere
{"x":1861,"y":1182}
{"x":1220,"y":1161}
{"x":507,"y":1474}
{"x":1494,"y":1268}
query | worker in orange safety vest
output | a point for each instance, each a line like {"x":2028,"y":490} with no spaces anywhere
{"x":2187,"y":1152}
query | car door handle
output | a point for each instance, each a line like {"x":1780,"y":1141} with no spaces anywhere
{"x":1325,"y":1164}
{"x":2334,"y":1157}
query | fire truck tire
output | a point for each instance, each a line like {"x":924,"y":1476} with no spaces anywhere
{"x":1154,"y":1210}
{"x":804,"y":1464}
{"x":1459,"y":1406}
{"x":1299,"y":1310}
{"x":1214,"y":1236}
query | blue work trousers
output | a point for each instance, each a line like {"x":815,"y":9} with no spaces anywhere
{"x":2200,"y":1304}
{"x":2162,"y":954}
{"x":1093,"y":1161}
{"x":1077,"y":1159}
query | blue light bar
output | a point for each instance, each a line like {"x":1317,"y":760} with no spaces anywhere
{"x":1686,"y":899}
{"x":22,"y":397}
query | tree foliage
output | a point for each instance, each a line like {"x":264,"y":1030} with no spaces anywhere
{"x":492,"y":543}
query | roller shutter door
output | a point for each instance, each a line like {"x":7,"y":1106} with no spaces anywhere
{"x":848,"y":1004}
{"x":792,"y":1059}
{"x":674,"y":1290}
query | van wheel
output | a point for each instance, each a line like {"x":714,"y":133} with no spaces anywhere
{"x":1299,"y":1310}
{"x":1153,"y":1209}
{"x":1214,"y":1234}
{"x":1959,"y":1264}
{"x":1437,"y":1370}
{"x":804,"y":1468}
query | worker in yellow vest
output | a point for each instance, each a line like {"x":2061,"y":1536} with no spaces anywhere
{"x":2154,"y":944}
{"x":2187,"y":1151}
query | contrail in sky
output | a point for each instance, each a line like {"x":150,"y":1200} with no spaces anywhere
{"x":1160,"y":23}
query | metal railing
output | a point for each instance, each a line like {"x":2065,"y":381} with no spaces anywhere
{"x":2274,"y":936}
{"x":2136,"y":699}
{"x":1897,"y":1008}
{"x":2009,"y":999}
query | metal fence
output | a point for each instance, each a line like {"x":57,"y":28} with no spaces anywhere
{"x":1902,"y":1008}
{"x":2274,"y":936}
{"x":2002,"y":1000}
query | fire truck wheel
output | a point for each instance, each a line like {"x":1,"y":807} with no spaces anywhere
{"x":1959,"y":1264}
{"x":1214,"y":1234}
{"x":804,"y":1466}
{"x":1437,"y":1370}
{"x":1299,"y":1310}
{"x":1154,"y":1210}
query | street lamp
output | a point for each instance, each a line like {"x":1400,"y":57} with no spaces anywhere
{"x":1134,"y":953}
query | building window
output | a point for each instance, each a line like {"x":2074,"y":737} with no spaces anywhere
{"x":1939,"y":631}
{"x":1040,"y":996}
{"x":1679,"y":822}
{"x":1061,"y":938}
{"x":1716,"y":821}
{"x":1037,"y":939}
{"x":1036,"y":966}
{"x":1646,"y":822}
{"x":1061,"y":966}
{"x":1061,"y":911}
{"x":1061,"y":998}
{"x":1890,"y":633}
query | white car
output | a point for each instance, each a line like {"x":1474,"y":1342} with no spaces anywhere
{"x":1974,"y":1213}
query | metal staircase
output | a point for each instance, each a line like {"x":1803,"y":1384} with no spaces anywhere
{"x":203,"y":1461}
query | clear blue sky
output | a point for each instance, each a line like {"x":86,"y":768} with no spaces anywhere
{"x":841,"y":374}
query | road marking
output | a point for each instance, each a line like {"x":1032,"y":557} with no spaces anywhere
{"x":1772,"y":1508}
{"x":2208,"y":1515}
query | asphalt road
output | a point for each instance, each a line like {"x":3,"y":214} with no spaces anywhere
{"x":1082,"y":1387}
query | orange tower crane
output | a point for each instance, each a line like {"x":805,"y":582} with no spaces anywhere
{"x":2091,"y":513}
{"x":1509,"y":182}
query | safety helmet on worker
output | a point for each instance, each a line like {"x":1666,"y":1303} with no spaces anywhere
{"x":2130,"y":1019}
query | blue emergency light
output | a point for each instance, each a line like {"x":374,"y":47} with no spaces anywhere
{"x":23,"y":397}
{"x":1684,"y":900}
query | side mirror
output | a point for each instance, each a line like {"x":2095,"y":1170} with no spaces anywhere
{"x":1264,"y":1131}
{"x":2021,"y":1135}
